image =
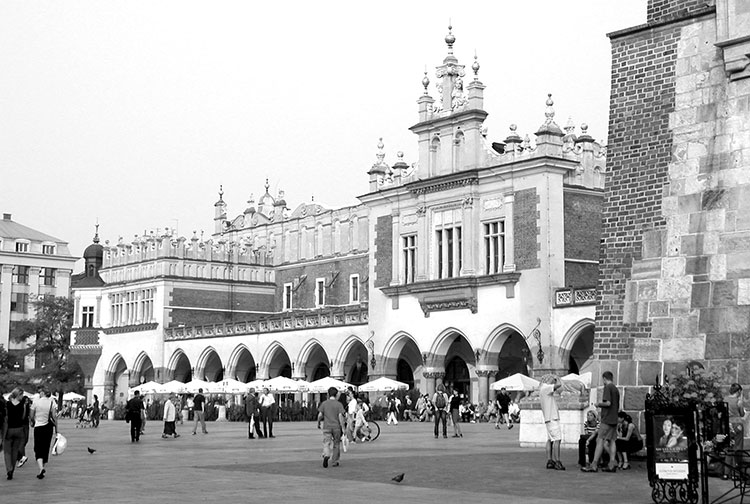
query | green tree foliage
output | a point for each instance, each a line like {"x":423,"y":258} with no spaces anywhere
{"x":694,"y":387}
{"x":50,"y":329}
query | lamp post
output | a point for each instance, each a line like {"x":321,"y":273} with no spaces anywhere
{"x":16,"y":367}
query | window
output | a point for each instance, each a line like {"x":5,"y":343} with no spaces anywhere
{"x":117,"y":305}
{"x":48,"y":249}
{"x":320,"y":292}
{"x":287,"y":301}
{"x":146,"y":306}
{"x":449,"y":245}
{"x":19,"y":303}
{"x":21,"y":275}
{"x":47,"y":277}
{"x":22,"y":246}
{"x":494,"y":247}
{"x":353,"y":289}
{"x":87,"y":316}
{"x":409,"y":251}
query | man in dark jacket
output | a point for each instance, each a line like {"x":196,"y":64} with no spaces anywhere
{"x":134,"y":410}
{"x":253,"y":412}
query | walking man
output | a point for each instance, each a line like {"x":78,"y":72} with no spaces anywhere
{"x":199,"y":414}
{"x":267,"y":405}
{"x":331,"y":413}
{"x":607,"y":434}
{"x":134,"y":412}
{"x":251,"y":410}
{"x":440,"y":401}
{"x":503,"y":402}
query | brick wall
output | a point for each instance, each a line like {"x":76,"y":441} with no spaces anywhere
{"x":583,"y":223}
{"x":336,"y":294}
{"x":226,"y":299}
{"x":664,"y":10}
{"x":384,"y":251}
{"x":526,"y":229}
{"x":638,"y":154}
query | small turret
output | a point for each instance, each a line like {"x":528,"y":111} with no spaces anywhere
{"x":220,"y":212}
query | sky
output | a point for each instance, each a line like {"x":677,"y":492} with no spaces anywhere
{"x":132,"y":113}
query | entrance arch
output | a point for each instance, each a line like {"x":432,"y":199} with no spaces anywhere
{"x":143,"y":369}
{"x":209,"y":366}
{"x":458,"y":359}
{"x":276,"y":361}
{"x":401,"y":357}
{"x":241,"y":365}
{"x":514,"y":357}
{"x":116,"y":381}
{"x":313,"y":361}
{"x":577,"y":346}
{"x":180,"y":368}
{"x":352,"y":357}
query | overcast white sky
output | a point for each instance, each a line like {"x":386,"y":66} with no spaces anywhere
{"x":133,"y":112}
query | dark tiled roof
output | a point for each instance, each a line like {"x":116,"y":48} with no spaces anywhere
{"x":14,"y":230}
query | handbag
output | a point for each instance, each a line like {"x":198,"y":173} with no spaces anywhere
{"x":61,"y":442}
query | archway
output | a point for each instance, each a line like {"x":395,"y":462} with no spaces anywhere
{"x":213,"y":371}
{"x":116,"y":382}
{"x":582,"y":350}
{"x":402,"y":357}
{"x":353,"y":358}
{"x":242,"y":365}
{"x":143,"y":369}
{"x":514,"y":357}
{"x":181,"y":368}
{"x":458,"y":357}
{"x":278,"y":362}
{"x":314,"y":361}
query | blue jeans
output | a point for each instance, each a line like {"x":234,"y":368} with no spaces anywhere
{"x":332,"y":444}
{"x":441,"y":416}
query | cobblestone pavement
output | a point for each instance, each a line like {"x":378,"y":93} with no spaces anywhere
{"x":486,"y":465}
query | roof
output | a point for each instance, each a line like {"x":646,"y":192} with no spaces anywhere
{"x":11,"y":229}
{"x":81,"y":281}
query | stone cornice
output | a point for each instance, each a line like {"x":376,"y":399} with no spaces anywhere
{"x":451,"y":283}
{"x":131,"y":328}
{"x":444,"y":183}
{"x":454,"y":118}
{"x":648,"y":26}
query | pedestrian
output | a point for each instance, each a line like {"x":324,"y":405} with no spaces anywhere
{"x":95,"y":413}
{"x":170,"y":417}
{"x":16,"y":418}
{"x":455,"y":406}
{"x":332,"y":414}
{"x":606,"y":436}
{"x":26,"y":402}
{"x":393,"y":404}
{"x":252,"y":412}
{"x":503,"y":403}
{"x":551,"y":414}
{"x":267,"y":406}
{"x":44,"y":419}
{"x":440,"y":404}
{"x":199,"y":414}
{"x":736,"y":412}
{"x":351,"y":412}
{"x":134,"y":415}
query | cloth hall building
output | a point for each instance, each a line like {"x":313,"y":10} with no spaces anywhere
{"x":475,"y":261}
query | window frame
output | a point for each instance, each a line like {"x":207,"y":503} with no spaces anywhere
{"x":22,"y":246}
{"x":494,"y":264}
{"x":18,"y":276}
{"x":354,"y":289}
{"x":48,"y":277}
{"x":320,"y":293}
{"x":287,"y":297}
{"x":49,"y":248}
{"x":409,"y":250}
{"x":87,"y":316}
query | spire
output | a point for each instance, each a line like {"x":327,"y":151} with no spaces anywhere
{"x":475,"y":66}
{"x":267,"y":186}
{"x":450,"y":39}
{"x":425,"y":81}
{"x":379,"y":167}
{"x":96,"y":234}
{"x":221,"y":196}
{"x":549,"y":126}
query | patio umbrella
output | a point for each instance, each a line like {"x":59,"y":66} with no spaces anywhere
{"x":72,"y":396}
{"x":146,"y":388}
{"x":584,"y":378}
{"x":232,"y":386}
{"x":383,"y":384}
{"x":193,"y":385}
{"x":173,"y":386}
{"x":256,"y":384}
{"x":283,"y":384}
{"x":321,"y":386}
{"x":515,"y":383}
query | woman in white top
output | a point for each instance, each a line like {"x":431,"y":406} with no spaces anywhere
{"x":44,"y":421}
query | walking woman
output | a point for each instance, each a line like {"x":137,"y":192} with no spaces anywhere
{"x":44,"y":420}
{"x":455,"y":417}
{"x":14,"y":438}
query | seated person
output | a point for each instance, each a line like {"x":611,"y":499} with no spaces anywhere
{"x":481,"y":412}
{"x":514,"y":412}
{"x":629,"y":439}
{"x":587,"y":441}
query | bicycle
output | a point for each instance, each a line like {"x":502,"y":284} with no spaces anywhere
{"x":368,"y":433}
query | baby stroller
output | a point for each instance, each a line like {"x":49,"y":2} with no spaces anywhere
{"x":84,"y":418}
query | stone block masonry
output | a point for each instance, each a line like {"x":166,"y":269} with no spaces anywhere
{"x":526,"y":229}
{"x":384,"y":251}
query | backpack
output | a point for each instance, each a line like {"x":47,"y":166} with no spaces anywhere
{"x":440,"y":400}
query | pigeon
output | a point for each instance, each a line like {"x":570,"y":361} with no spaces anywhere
{"x":398,"y":478}
{"x":91,"y":450}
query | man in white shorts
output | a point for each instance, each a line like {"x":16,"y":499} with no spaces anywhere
{"x":550,"y":384}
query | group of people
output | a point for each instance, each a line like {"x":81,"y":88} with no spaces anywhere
{"x":260,"y":409}
{"x":344,"y":420}
{"x":18,"y":415}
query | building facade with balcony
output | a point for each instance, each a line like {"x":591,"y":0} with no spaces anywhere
{"x":32,"y":264}
{"x":483,"y":256}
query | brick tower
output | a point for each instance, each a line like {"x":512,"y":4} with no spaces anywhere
{"x":674,"y":281}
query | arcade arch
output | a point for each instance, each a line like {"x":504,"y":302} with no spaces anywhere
{"x":180,"y":368}
{"x":241,"y":365}
{"x":453,"y":349}
{"x":209,"y":367}
{"x":352,"y":358}
{"x":402,"y":358}
{"x":276,"y":362}
{"x":577,"y":346}
{"x":313,"y":361}
{"x":143,"y":369}
{"x":116,"y":382}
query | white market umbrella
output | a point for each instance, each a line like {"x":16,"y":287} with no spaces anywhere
{"x":283,"y":384}
{"x":584,"y":378}
{"x":146,"y":388}
{"x":255,"y":384}
{"x":72,"y":396}
{"x":193,"y":385}
{"x":321,"y":386}
{"x":383,"y":384}
{"x":516,"y":383}
{"x":232,"y":386}
{"x":173,"y":386}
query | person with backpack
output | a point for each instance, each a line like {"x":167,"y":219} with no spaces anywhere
{"x":440,"y":402}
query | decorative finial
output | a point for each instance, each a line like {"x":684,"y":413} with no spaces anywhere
{"x":550,"y":112}
{"x":252,"y":199}
{"x":380,"y":155}
{"x":400,"y":155}
{"x":450,"y":39}
{"x":513,"y":128}
{"x":425,"y":80}
{"x":312,"y":198}
{"x":584,"y":129}
{"x":267,"y":186}
{"x":570,"y":127}
{"x":526,"y":142}
{"x":96,"y":233}
{"x":475,"y":66}
{"x":221,"y":192}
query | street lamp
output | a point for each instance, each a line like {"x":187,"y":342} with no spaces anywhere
{"x":16,"y":366}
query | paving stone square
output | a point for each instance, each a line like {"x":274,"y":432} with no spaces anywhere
{"x":486,"y":465}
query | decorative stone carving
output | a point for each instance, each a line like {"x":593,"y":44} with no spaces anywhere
{"x":421,"y":211}
{"x":484,"y":373}
{"x":467,"y":202}
{"x":492,"y":205}
{"x":469,"y":303}
{"x":434,"y":374}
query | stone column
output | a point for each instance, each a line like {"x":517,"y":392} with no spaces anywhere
{"x":423,"y":245}
{"x":77,"y":311}
{"x":469,"y":223}
{"x":429,"y":382}
{"x":509,"y":263}
{"x":6,"y":283}
{"x":483,"y":376}
{"x":97,"y":312}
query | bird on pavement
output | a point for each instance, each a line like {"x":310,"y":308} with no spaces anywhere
{"x":91,"y":450}
{"x":398,"y":478}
